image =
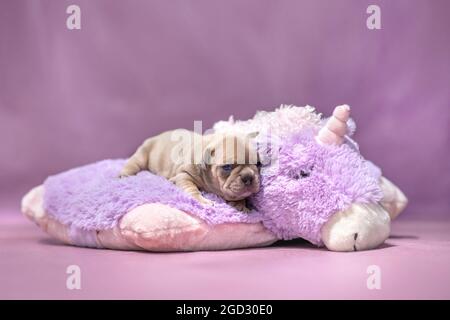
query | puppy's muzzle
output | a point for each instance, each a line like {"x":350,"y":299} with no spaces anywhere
{"x":247,"y":179}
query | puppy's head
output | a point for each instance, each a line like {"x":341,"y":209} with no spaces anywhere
{"x":231,"y":164}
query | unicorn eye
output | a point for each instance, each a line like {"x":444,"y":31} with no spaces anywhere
{"x":227,"y":168}
{"x":303,"y":174}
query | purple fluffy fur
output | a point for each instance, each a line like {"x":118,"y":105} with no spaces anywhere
{"x":92,"y":197}
{"x":309,"y":182}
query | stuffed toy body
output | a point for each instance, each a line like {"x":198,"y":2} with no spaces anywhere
{"x":314,"y":185}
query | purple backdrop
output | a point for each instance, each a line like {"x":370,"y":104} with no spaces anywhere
{"x":138,"y":67}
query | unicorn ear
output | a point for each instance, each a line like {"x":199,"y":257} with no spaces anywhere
{"x":351,"y":127}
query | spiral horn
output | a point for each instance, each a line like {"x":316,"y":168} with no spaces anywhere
{"x":335,"y":129}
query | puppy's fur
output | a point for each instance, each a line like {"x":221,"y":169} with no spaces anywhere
{"x":222,"y":164}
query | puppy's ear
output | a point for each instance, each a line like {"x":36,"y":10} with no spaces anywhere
{"x":252,"y":135}
{"x":251,"y":148}
{"x":208,"y":155}
{"x":268,"y":147}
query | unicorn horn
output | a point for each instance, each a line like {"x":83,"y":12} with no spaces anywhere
{"x":335,"y":129}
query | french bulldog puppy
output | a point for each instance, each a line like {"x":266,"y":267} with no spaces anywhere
{"x":223,"y":164}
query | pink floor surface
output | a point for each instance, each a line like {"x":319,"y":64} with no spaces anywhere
{"x":414,"y":264}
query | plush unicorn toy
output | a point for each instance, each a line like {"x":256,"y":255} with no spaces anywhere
{"x":314,"y":185}
{"x":319,"y":187}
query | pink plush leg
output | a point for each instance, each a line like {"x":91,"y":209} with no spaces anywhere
{"x":394,"y":200}
{"x":157,"y":227}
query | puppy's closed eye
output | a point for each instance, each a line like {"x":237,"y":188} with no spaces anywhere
{"x":227,"y":168}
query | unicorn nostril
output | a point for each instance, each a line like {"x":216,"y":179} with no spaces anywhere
{"x":355,"y":236}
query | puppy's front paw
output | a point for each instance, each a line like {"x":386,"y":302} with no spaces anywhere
{"x":240,"y":206}
{"x":205,"y":201}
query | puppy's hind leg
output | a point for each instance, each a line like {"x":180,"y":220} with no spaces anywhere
{"x":137,"y":162}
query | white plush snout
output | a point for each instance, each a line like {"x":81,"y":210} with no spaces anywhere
{"x":360,"y":227}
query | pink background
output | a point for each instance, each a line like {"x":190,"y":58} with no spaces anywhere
{"x":136,"y":68}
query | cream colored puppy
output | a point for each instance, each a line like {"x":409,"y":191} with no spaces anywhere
{"x":225,"y":165}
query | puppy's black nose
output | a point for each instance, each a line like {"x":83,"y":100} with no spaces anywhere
{"x":247,"y":179}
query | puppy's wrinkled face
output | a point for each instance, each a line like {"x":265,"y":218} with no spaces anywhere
{"x":237,"y":182}
{"x":233,"y":167}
